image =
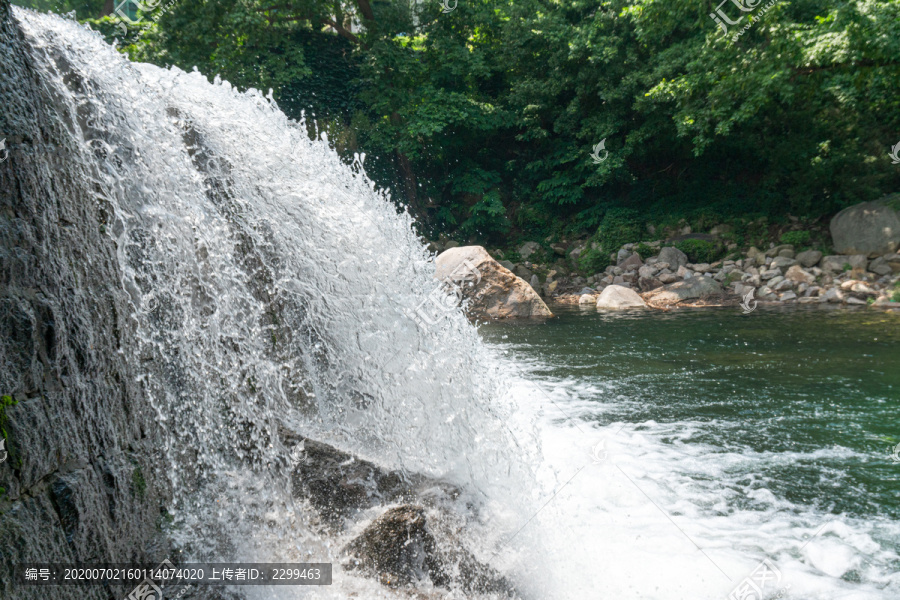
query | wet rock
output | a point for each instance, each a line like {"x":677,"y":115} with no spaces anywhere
{"x":406,"y":545}
{"x":617,"y":297}
{"x":869,"y":228}
{"x":690,"y":289}
{"x":494,"y":291}
{"x":83,"y":419}
{"x":587,"y":299}
{"x":339,"y":485}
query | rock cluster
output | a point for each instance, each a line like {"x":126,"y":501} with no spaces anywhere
{"x":777,"y":275}
{"x":413,"y":537}
{"x":863,"y":268}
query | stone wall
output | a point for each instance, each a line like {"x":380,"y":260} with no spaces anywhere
{"x":83,"y":481}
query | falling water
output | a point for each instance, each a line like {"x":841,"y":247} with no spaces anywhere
{"x":269,"y":286}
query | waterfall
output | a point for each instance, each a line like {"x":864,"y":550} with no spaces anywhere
{"x":260,"y":283}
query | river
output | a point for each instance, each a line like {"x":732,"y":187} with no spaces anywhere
{"x":682,"y":449}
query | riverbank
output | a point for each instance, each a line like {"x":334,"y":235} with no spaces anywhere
{"x":777,"y":276}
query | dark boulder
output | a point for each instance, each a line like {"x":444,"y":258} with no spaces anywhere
{"x":339,"y":485}
{"x":403,"y":547}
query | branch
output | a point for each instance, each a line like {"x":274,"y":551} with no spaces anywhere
{"x":366,"y":9}
{"x":343,"y":32}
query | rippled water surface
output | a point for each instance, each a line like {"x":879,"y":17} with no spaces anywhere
{"x":724,"y":439}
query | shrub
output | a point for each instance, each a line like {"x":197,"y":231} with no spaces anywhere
{"x":795,"y":238}
{"x":699,"y":251}
{"x":645,"y":251}
{"x":593,"y":260}
{"x":618,"y":227}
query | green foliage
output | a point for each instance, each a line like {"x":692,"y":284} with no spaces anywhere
{"x":798,"y":239}
{"x":593,"y":260}
{"x":645,"y":251}
{"x":699,"y":251}
{"x":895,"y":296}
{"x":619,"y":226}
{"x":5,"y":403}
{"x":483,"y":121}
{"x":731,"y":278}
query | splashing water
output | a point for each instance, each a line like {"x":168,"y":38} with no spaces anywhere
{"x":269,"y":282}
